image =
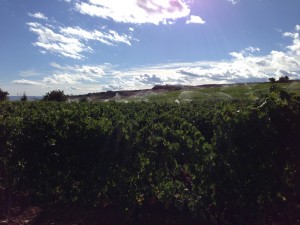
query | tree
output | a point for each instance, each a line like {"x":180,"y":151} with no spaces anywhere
{"x":284,"y":79}
{"x":24,"y":97}
{"x":3,"y":95}
{"x":272,"y":80}
{"x":56,"y":95}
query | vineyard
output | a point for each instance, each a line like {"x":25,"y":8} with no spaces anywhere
{"x":219,"y":162}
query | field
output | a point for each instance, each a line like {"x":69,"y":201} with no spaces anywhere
{"x":245,"y":91}
{"x":226,"y":92}
{"x":228,"y":155}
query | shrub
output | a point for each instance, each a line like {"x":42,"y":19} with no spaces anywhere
{"x":24,"y":97}
{"x":272,"y":80}
{"x":284,"y":79}
{"x":56,"y":95}
{"x":3,"y":95}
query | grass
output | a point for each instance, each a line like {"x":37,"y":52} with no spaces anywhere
{"x":250,"y":91}
{"x":247,"y":91}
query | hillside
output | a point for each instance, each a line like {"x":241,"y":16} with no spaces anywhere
{"x":180,"y":93}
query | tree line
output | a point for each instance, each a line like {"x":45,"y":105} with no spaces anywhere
{"x":55,"y":95}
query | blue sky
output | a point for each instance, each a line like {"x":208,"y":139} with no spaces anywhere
{"x":85,"y":46}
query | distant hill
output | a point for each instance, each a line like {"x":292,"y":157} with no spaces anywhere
{"x":30,"y":98}
{"x":182,"y":93}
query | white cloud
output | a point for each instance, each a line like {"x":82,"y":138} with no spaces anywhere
{"x":251,"y":49}
{"x":234,"y":2}
{"x":195,"y":19}
{"x":38,"y":15}
{"x":236,"y":70}
{"x":244,"y":53}
{"x":49,"y":80}
{"x":135,"y":11}
{"x":247,"y":65}
{"x":91,"y":71}
{"x":244,"y":66}
{"x":66,"y":78}
{"x":50,"y":41}
{"x":114,"y":86}
{"x":29,"y":73}
{"x":283,"y":60}
{"x":72,"y":42}
{"x":26,"y":82}
{"x":75,"y":88}
{"x":76,"y":74}
{"x":282,"y":73}
{"x":149,"y":79}
{"x":108,"y":38}
{"x":69,"y":78}
{"x":295,"y":46}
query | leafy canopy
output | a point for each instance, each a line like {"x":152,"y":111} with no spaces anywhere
{"x":3,"y":95}
{"x":56,"y":95}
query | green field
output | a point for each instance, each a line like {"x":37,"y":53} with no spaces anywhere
{"x":247,"y":91}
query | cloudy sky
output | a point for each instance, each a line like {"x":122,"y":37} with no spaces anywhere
{"x":84,"y":46}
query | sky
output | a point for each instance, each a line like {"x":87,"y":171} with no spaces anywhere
{"x":87,"y":46}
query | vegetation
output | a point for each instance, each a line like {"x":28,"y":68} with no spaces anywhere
{"x":224,"y":162}
{"x":56,"y":95}
{"x":284,"y":79}
{"x":84,"y":99}
{"x":24,"y":97}
{"x":3,"y":95}
{"x":245,"y":92}
{"x":272,"y":80}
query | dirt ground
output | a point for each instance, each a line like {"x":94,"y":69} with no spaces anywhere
{"x":23,"y":211}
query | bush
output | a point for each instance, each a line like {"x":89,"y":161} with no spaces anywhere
{"x":284,"y":79}
{"x":235,"y":162}
{"x":272,"y":80}
{"x":24,"y":98}
{"x":56,"y":95}
{"x":3,"y":95}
